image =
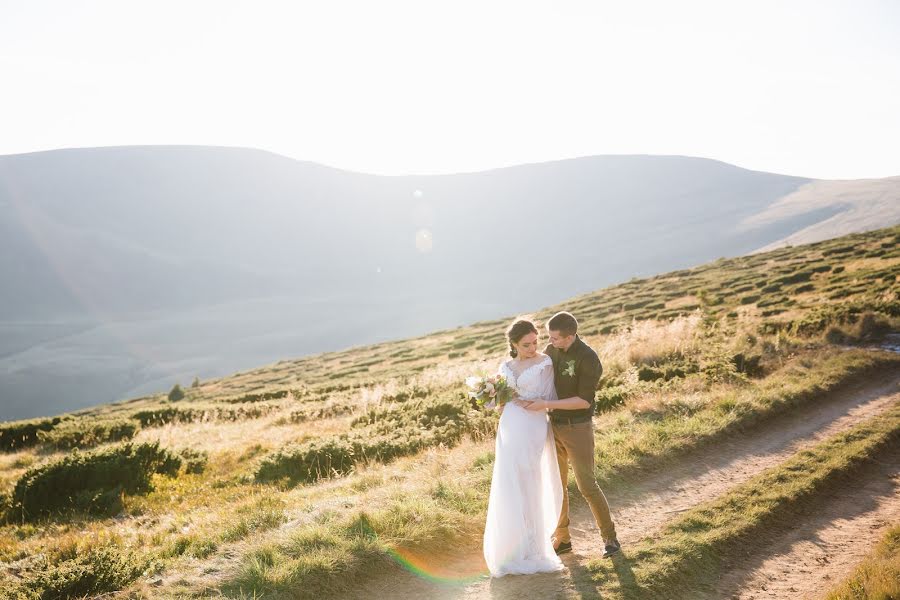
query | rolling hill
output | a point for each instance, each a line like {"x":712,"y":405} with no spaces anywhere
{"x":127,"y":269}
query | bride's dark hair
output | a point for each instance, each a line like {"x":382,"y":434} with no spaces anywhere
{"x":519,"y":329}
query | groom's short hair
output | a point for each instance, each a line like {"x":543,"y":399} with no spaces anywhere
{"x":564,"y":323}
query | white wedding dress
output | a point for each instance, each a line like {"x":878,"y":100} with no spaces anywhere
{"x":526,"y":491}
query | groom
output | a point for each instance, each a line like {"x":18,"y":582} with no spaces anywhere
{"x":577,"y":370}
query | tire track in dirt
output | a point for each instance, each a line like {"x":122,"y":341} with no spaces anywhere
{"x":821,"y":547}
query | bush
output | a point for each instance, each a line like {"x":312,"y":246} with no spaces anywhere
{"x":838,"y":250}
{"x":418,"y":413}
{"x":5,"y":507}
{"x":309,"y":462}
{"x":79,"y":434}
{"x":610,"y":398}
{"x":328,"y":411}
{"x":155,"y":417}
{"x":646,"y":373}
{"x":194,"y":461}
{"x":748,"y":364}
{"x":820,"y":318}
{"x":262,"y":396}
{"x":381,"y":435}
{"x":97,"y":571}
{"x":771,"y":301}
{"x":798,"y":277}
{"x":91,"y":481}
{"x":22,"y":434}
{"x":176,"y":393}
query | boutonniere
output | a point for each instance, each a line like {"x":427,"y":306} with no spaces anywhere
{"x":570,"y":368}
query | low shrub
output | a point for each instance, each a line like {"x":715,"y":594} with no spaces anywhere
{"x":646,"y":373}
{"x":262,"y":396}
{"x":797,"y":277}
{"x":155,"y":417}
{"x":82,"y":434}
{"x":23,"y":434}
{"x":176,"y":393}
{"x":194,"y":461}
{"x":97,"y":571}
{"x":380,"y":435}
{"x":610,"y":398}
{"x":748,"y":364}
{"x":317,"y":413}
{"x":92,"y":481}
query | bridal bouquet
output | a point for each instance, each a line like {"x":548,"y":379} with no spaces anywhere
{"x":488,"y":391}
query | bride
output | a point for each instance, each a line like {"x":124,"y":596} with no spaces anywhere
{"x":526,"y":490}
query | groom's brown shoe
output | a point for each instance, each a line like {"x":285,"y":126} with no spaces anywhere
{"x":563,"y":547}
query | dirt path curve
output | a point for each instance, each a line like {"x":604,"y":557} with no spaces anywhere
{"x":654,"y":499}
{"x":816,"y":552}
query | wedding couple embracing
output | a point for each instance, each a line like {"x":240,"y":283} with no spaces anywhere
{"x":545,"y":427}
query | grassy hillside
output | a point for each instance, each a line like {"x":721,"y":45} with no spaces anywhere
{"x":133,"y":265}
{"x":301,"y":477}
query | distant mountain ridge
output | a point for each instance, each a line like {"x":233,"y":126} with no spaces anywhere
{"x":126,"y":269}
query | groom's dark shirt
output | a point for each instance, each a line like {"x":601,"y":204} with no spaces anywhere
{"x":587,"y":371}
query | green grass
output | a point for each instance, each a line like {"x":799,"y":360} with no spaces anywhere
{"x":687,"y":555}
{"x":698,"y":396}
{"x":878,"y":576}
{"x":629,"y":442}
{"x":453,"y":510}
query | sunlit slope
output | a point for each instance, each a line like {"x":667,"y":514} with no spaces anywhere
{"x":312,"y":471}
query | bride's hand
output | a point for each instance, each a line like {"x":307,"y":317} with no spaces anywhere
{"x":522,"y":403}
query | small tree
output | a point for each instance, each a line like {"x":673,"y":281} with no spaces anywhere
{"x":196,"y":382}
{"x":176,"y":393}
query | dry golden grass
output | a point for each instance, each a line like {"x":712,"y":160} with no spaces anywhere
{"x":195,"y":521}
{"x":649,"y":342}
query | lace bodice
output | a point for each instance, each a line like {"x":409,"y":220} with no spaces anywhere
{"x":536,"y":381}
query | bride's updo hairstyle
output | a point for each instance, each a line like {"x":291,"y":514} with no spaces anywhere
{"x":519,"y":329}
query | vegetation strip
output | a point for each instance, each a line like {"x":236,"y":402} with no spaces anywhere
{"x":687,"y":555}
{"x":648,"y":440}
{"x":877,"y":576}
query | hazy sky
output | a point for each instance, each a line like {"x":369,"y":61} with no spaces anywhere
{"x":806,"y":88}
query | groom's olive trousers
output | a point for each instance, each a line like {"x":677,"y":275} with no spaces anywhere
{"x":575,"y":445}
